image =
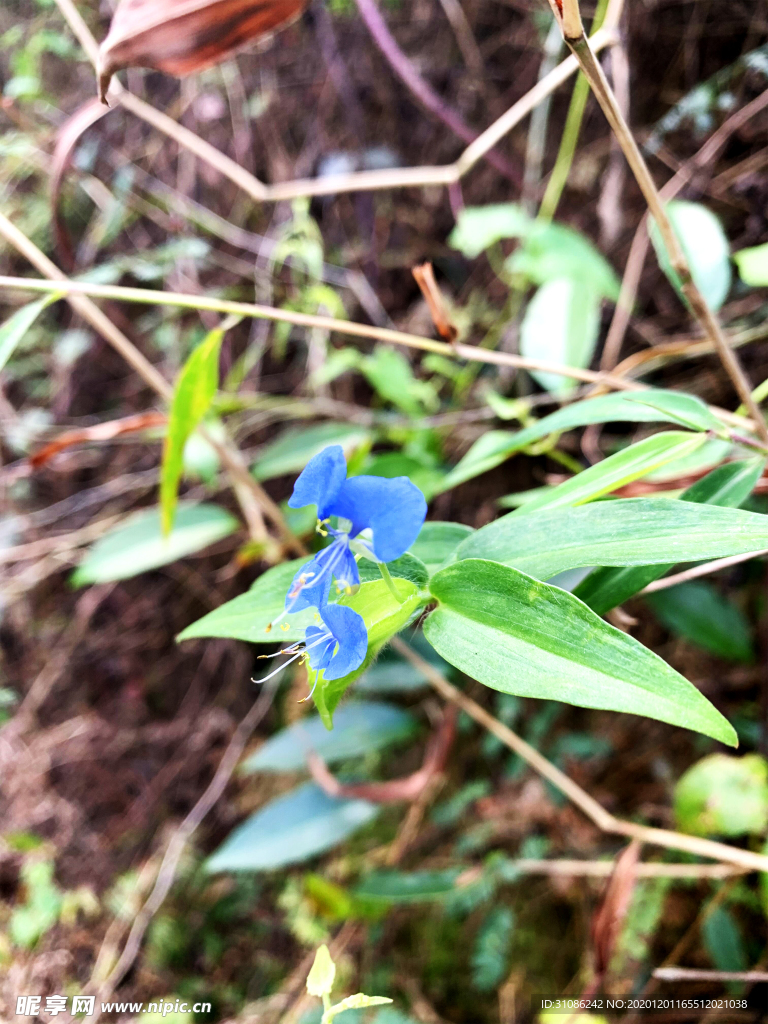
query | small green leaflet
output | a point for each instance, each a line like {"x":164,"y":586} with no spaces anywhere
{"x":561,"y":325}
{"x":16,"y":326}
{"x":437,"y":542}
{"x":192,"y":396}
{"x":360,"y":727}
{"x":617,"y":470}
{"x":138,"y":544}
{"x":705,"y":246}
{"x":520,"y":636}
{"x":729,"y":486}
{"x":753,"y":265}
{"x":291,"y":829}
{"x":627,"y":531}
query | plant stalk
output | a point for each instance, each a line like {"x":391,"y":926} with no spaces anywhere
{"x":569,"y":19}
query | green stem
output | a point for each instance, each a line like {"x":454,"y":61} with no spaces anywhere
{"x":389,"y":581}
{"x":570,"y":137}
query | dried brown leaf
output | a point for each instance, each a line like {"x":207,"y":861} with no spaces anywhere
{"x":609,"y":918}
{"x":67,"y":139}
{"x":184,"y":36}
{"x":425,"y":279}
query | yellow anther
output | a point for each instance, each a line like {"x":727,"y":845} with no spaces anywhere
{"x":285,"y":627}
{"x":269,"y":628}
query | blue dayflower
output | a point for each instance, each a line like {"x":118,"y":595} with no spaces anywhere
{"x":336,"y":646}
{"x":378,"y":517}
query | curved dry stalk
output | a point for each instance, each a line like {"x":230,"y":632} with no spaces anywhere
{"x":569,"y":17}
{"x":361,"y":181}
{"x":604,"y":820}
{"x":77,"y":289}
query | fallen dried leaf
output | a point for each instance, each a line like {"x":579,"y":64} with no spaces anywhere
{"x":99,"y":432}
{"x":425,"y":279}
{"x":609,"y":918}
{"x":184,"y":36}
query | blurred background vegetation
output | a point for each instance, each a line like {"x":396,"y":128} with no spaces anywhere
{"x":449,"y":903}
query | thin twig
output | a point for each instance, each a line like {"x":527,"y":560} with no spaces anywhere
{"x":705,"y":157}
{"x":575,"y":37}
{"x":604,"y":868}
{"x":604,"y":820}
{"x":355,"y":330}
{"x":362,"y":181}
{"x":692,"y":974}
{"x":701,"y":570}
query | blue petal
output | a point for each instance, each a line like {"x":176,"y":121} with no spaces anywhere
{"x":349,"y":630}
{"x":345,"y":570}
{"x":314,"y":591}
{"x":393,"y":508}
{"x":320,"y":481}
{"x":320,"y":655}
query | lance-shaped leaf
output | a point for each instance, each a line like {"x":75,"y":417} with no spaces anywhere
{"x":184,"y":36}
{"x":617,"y":470}
{"x":652,"y":406}
{"x":16,"y":326}
{"x":628,"y":531}
{"x":524,"y":637}
{"x":729,"y":486}
{"x":192,"y":396}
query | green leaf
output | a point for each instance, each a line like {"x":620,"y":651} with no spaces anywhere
{"x":753,"y":265}
{"x":322,"y":974}
{"x":359,"y":728}
{"x":139,"y":545}
{"x":697,"y":612}
{"x":617,"y":470}
{"x":627,"y":531}
{"x":390,"y":375}
{"x":291,"y":829}
{"x":293,"y":449}
{"x":705,"y":246}
{"x":560,"y":325}
{"x":520,"y":636}
{"x":652,"y":406}
{"x":398,"y":887}
{"x":480,"y":227}
{"x":15,"y":327}
{"x":491,"y":952}
{"x":729,"y":485}
{"x":554,"y":251}
{"x":359,"y":1001}
{"x":723,"y":940}
{"x":437,"y":542}
{"x":406,"y":567}
{"x":383,"y":616}
{"x":247,"y":617}
{"x":192,"y":396}
{"x":724,"y":796}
